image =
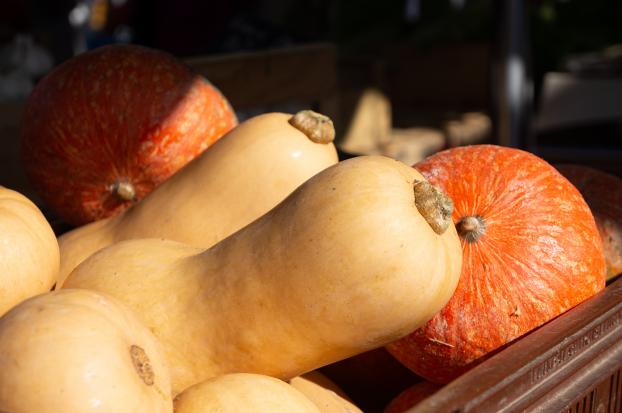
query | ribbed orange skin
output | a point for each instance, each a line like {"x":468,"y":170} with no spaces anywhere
{"x":539,"y":256}
{"x":603,"y":193}
{"x":119,"y":112}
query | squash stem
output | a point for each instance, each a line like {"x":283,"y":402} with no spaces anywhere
{"x":124,"y":190}
{"x":434,"y":205}
{"x":471,"y":228}
{"x":319,"y":128}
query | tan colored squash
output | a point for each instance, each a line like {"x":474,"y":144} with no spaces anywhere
{"x":29,"y":255}
{"x":77,"y":351}
{"x":344,"y":264}
{"x":324,"y":393}
{"x":243,"y":392}
{"x":239,"y":178}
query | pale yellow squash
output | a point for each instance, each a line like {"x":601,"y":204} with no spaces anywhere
{"x":239,"y":178}
{"x":345,"y":264}
{"x":29,"y":255}
{"x":324,"y":393}
{"x":76,"y":351}
{"x":243,"y":393}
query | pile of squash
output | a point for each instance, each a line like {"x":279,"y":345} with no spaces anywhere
{"x":265,"y":259}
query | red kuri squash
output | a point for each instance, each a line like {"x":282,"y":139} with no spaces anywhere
{"x":603,"y":193}
{"x":531,"y":251}
{"x":105,"y":127}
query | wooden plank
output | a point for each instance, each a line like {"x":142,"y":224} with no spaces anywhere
{"x":548,"y":369}
{"x":306,"y":73}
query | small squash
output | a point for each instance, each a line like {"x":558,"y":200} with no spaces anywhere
{"x":324,"y":393}
{"x":29,"y":256}
{"x":77,"y":351}
{"x":603,"y":193}
{"x":235,"y":181}
{"x":243,"y":392}
{"x":347,"y":263}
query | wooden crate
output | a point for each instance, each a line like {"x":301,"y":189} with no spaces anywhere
{"x":572,"y":364}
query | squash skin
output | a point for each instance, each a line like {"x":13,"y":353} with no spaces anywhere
{"x":243,"y":392}
{"x":70,"y":351}
{"x":29,"y":257}
{"x":343,"y":265}
{"x":322,"y":391}
{"x":238,"y":179}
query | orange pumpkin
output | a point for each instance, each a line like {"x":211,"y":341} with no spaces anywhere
{"x":106,"y":127}
{"x":531,"y":251}
{"x":603,"y":193}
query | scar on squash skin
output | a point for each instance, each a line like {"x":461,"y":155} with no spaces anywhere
{"x":142,"y":364}
{"x":437,"y":341}
{"x":434,"y":205}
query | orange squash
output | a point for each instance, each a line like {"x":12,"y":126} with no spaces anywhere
{"x":531,"y":250}
{"x":105,"y":127}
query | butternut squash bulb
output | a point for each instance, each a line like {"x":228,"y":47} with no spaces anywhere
{"x":233,"y":182}
{"x":243,"y":392}
{"x":359,"y":255}
{"x":29,"y":256}
{"x":77,"y":351}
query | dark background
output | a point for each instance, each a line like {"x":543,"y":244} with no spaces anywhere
{"x":435,"y":61}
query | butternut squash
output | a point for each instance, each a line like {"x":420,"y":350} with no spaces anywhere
{"x":29,"y":255}
{"x":236,"y":180}
{"x":359,"y":255}
{"x":243,"y":392}
{"x":324,"y":393}
{"x":77,"y":351}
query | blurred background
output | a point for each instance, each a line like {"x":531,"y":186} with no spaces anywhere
{"x":404,"y":78}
